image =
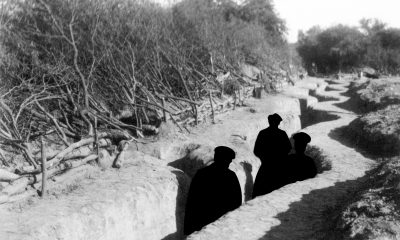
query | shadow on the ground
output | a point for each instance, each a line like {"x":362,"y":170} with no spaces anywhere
{"x":331,"y":89}
{"x":335,"y":82}
{"x":313,"y":217}
{"x":181,"y":197}
{"x":311,"y":116}
{"x":345,"y":137}
{"x":353,"y":104}
{"x":323,"y":98}
{"x":378,"y":148}
{"x":248,"y":187}
{"x":360,"y":106}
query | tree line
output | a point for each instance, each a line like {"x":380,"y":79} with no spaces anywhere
{"x":345,"y":48}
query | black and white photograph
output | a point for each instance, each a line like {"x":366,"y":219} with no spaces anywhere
{"x":199,"y":120}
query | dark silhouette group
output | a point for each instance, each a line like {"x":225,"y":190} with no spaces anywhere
{"x":215,"y":190}
{"x":271,"y":147}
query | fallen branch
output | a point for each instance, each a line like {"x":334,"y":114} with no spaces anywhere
{"x":77,"y":153}
{"x":44,"y":170}
{"x":21,"y":184}
{"x":181,"y":99}
{"x":6,"y":176}
{"x":60,"y":156}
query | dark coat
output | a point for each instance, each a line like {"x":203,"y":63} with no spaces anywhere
{"x":213,"y":192}
{"x":301,"y":167}
{"x":271,"y":147}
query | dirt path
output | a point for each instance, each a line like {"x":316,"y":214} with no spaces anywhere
{"x":145,"y":199}
{"x":298,"y":210}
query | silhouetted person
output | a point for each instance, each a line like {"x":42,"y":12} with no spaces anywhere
{"x":301,"y":166}
{"x":214,"y":191}
{"x":272,"y":147}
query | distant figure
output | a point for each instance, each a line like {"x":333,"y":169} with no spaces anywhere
{"x":214,"y":191}
{"x":272,"y":147}
{"x":302,"y":166}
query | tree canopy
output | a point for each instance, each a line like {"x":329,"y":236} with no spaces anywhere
{"x":344,"y":48}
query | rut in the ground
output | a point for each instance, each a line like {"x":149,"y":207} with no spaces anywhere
{"x":299,"y":210}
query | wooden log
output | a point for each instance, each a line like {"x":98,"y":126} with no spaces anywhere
{"x":164,"y":114}
{"x":234,"y":100}
{"x":6,"y":176}
{"x":12,"y":192}
{"x":60,"y":156}
{"x":177,"y":124}
{"x":3,"y":158}
{"x":146,"y":117}
{"x":96,"y":137}
{"x":195,"y":115}
{"x":212,"y":108}
{"x":74,"y":173}
{"x":63,"y":167}
{"x":16,"y":186}
{"x":80,"y":152}
{"x":44,"y":170}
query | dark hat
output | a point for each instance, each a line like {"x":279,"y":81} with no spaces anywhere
{"x":224,"y":151}
{"x":274,"y":118}
{"x":302,"y":137}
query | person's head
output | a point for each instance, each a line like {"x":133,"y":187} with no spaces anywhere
{"x":274,"y":120}
{"x":301,"y":140}
{"x":223,"y":156}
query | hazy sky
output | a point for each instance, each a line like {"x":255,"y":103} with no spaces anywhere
{"x":303,"y":14}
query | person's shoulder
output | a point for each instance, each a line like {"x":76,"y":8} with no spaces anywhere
{"x":281,"y":131}
{"x":203,"y":171}
{"x":231,"y":173}
{"x":264,"y":130}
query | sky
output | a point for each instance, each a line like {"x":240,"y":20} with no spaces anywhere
{"x":303,"y":14}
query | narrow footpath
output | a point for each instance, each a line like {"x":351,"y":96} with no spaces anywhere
{"x":299,"y":210}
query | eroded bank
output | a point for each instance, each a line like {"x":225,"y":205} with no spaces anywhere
{"x":298,"y":210}
{"x":146,"y":199}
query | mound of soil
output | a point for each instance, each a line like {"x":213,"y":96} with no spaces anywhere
{"x":375,"y":212}
{"x":378,"y":94}
{"x":378,"y":132}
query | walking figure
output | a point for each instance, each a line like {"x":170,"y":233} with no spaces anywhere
{"x":302,"y":166}
{"x":272,"y":147}
{"x":214,"y":191}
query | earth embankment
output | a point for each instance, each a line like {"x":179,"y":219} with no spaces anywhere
{"x":146,"y":199}
{"x":300,"y":210}
{"x":373,"y":212}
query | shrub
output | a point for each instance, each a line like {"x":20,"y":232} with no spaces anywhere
{"x":65,"y":63}
{"x":344,"y":48}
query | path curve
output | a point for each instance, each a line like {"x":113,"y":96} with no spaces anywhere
{"x":298,"y":210}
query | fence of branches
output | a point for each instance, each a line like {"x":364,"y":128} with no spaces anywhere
{"x":80,"y":72}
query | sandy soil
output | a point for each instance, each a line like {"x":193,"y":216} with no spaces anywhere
{"x":145,"y":199}
{"x":374,"y":212}
{"x":300,"y":210}
{"x":150,"y":194}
